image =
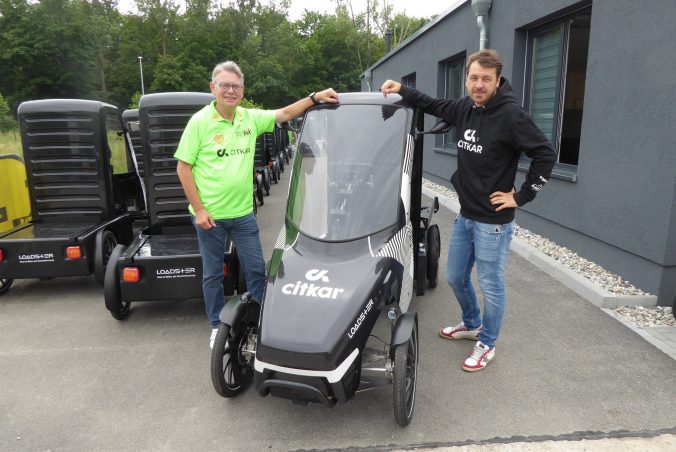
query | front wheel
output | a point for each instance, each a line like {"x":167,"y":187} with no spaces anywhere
{"x":229,"y":372}
{"x":5,"y":284}
{"x":405,"y":373}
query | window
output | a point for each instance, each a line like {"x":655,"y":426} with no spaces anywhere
{"x":453,"y":73}
{"x":408,"y":80}
{"x":118,"y":151}
{"x":557,"y":58}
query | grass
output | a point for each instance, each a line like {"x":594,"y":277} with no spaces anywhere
{"x":10,"y":142}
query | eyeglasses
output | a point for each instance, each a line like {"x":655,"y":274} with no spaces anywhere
{"x":227,"y":86}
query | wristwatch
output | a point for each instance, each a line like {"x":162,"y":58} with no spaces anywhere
{"x":312,"y":98}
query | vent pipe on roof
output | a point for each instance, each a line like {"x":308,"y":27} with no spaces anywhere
{"x":388,"y":41}
{"x":367,"y":78}
{"x":480,"y":8}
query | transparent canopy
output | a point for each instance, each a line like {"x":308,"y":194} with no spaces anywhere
{"x":347,"y":174}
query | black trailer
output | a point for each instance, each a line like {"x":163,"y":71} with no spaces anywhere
{"x":81,"y":193}
{"x":262,"y":173}
{"x":163,"y":262}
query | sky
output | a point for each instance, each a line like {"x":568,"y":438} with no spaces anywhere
{"x":415,"y":8}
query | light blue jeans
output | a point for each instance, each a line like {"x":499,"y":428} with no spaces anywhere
{"x":244,"y":233}
{"x":487,"y":245}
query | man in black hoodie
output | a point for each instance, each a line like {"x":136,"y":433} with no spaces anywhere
{"x":492,"y":131}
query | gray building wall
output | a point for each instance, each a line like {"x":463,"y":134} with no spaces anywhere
{"x":621,"y":210}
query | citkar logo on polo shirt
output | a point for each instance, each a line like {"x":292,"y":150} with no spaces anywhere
{"x":219,"y":139}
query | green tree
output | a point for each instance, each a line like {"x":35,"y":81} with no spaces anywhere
{"x":7,"y":121}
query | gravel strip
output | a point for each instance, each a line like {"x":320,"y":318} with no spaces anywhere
{"x":613,"y":283}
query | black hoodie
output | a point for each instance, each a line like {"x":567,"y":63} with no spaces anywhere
{"x":490,"y":141}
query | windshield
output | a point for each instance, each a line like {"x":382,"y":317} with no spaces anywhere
{"x":347,"y":171}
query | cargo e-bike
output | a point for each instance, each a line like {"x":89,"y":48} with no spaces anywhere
{"x":355,"y":246}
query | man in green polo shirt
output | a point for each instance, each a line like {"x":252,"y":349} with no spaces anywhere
{"x":215,"y":166}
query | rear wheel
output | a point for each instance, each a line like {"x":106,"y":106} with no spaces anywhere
{"x":5,"y":284}
{"x":111,"y":288}
{"x":405,"y":373}
{"x":105,"y":243}
{"x":433,"y":253}
{"x":229,"y":373}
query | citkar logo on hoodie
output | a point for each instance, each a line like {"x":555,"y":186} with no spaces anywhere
{"x":469,"y":144}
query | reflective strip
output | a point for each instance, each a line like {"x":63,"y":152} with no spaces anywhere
{"x":333,"y":376}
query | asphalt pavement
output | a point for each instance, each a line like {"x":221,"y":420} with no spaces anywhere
{"x":73,"y":378}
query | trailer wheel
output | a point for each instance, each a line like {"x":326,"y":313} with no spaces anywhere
{"x":111,"y":287}
{"x":229,"y":373}
{"x":273,"y":174}
{"x":5,"y":284}
{"x":405,"y":373}
{"x":259,"y":189}
{"x":279,"y":171}
{"x":105,"y":243}
{"x":433,"y":253}
{"x":266,"y":180}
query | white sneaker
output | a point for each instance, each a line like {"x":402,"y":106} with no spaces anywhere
{"x":460,"y":331}
{"x":213,"y":338}
{"x":481,"y":355}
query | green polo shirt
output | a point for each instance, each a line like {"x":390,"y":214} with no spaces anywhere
{"x":222,"y":158}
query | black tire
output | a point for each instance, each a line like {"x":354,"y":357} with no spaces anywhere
{"x":273,"y":174}
{"x":5,"y":284}
{"x":433,"y":253}
{"x":105,"y":243}
{"x":405,"y":375}
{"x":111,"y":288}
{"x":266,"y":180}
{"x":280,"y":158}
{"x":259,"y":189}
{"x":229,"y":374}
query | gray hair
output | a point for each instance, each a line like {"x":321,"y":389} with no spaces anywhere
{"x":228,"y":66}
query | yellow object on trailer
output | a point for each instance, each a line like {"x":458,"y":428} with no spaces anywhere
{"x":15,"y":205}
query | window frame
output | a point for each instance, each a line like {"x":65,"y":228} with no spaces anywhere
{"x":561,"y":170}
{"x":442,"y":143}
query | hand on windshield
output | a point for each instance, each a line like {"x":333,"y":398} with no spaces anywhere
{"x":390,"y":87}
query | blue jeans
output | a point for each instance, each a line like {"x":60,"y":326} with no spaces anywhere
{"x":244,"y":233}
{"x":486,"y":245}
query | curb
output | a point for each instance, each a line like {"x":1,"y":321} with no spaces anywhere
{"x":569,"y":278}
